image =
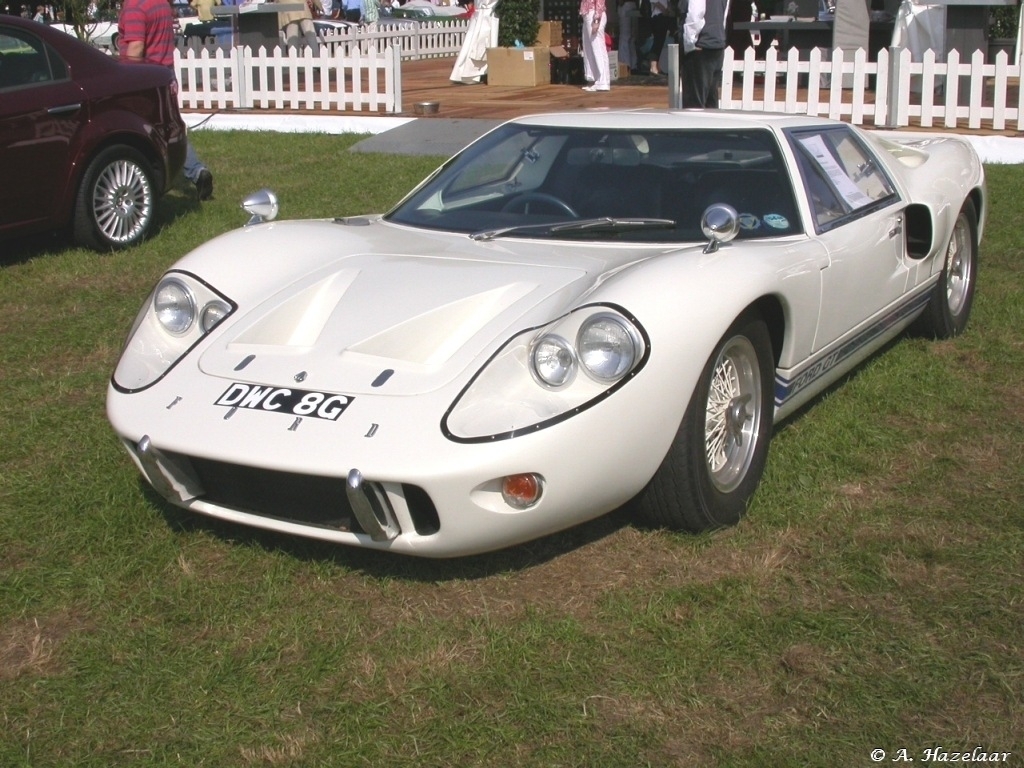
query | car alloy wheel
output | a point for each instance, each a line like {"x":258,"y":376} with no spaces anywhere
{"x":116,"y":203}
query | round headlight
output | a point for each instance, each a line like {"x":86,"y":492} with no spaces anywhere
{"x":212,"y":314}
{"x":553,"y":361}
{"x":175,"y":306}
{"x":608,"y":348}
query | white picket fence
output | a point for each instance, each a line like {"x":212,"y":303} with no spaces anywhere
{"x":357,"y":69}
{"x":413,"y":39}
{"x":360,"y":70}
{"x":891,"y":91}
{"x":286,"y":79}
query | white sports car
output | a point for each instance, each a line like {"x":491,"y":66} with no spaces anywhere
{"x":576,"y":311}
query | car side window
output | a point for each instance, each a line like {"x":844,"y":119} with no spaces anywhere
{"x":25,"y":60}
{"x":843,"y":180}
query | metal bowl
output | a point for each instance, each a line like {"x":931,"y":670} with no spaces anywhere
{"x":427,"y":107}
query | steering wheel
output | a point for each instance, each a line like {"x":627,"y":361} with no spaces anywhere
{"x":521,"y":203}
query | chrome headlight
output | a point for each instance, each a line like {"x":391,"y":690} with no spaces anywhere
{"x":532,"y":381}
{"x":181,"y":310}
{"x":553,"y":361}
{"x":213,"y":313}
{"x":608,"y":346}
{"x":174,"y":305}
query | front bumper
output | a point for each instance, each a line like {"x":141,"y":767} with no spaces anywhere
{"x":430,"y":496}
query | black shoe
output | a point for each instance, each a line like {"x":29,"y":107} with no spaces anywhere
{"x":204,"y":185}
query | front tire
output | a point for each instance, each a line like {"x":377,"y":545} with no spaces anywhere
{"x":949,"y":308}
{"x":116,"y":202}
{"x":718,"y":456}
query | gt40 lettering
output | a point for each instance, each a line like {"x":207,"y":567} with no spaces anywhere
{"x":294,"y":402}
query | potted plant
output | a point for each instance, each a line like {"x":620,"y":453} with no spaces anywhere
{"x":518,"y":21}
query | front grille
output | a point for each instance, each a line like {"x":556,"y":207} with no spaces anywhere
{"x":293,"y":497}
{"x":306,"y":499}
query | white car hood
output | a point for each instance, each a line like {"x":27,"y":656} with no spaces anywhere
{"x":415,"y":322}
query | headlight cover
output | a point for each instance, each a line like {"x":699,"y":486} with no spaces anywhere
{"x":533,"y":381}
{"x":179,"y":312}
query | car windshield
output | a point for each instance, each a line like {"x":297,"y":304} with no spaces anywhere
{"x":622,"y":185}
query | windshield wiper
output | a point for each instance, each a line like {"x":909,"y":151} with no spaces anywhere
{"x":603,"y":224}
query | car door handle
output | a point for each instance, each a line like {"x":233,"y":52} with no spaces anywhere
{"x":64,"y":109}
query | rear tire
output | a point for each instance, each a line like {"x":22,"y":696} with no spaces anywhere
{"x":949,"y":308}
{"x":116,"y":202}
{"x":718,"y":456}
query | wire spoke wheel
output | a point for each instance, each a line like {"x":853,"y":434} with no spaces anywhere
{"x":733,"y":413}
{"x":949,"y":306}
{"x":959,"y":272}
{"x":718,"y":456}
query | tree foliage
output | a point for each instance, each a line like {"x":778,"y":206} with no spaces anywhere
{"x":519,"y":21}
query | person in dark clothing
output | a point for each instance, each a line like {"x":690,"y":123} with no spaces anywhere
{"x":739,"y":39}
{"x":662,"y":22}
{"x":703,"y":31}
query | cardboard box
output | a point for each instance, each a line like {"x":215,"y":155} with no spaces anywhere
{"x":519,"y":66}
{"x":624,"y":71}
{"x":549,"y":34}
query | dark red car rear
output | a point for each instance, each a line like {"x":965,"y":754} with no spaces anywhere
{"x":87,"y":144}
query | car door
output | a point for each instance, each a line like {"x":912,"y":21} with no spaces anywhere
{"x":857,"y":215}
{"x":39,"y":112}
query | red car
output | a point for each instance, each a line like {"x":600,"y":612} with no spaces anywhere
{"x":87,"y":145}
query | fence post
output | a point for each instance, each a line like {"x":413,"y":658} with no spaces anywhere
{"x":893,"y":91}
{"x":675,"y":85}
{"x":394,"y":59}
{"x":243,"y":63}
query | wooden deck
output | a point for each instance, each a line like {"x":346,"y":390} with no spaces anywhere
{"x":428,"y":80}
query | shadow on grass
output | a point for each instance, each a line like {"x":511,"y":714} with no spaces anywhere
{"x":391,"y":565}
{"x":179,"y":201}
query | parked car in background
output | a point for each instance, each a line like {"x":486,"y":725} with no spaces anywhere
{"x":424,"y":9}
{"x":102,"y":34}
{"x":87,"y":145}
{"x":577,"y":311}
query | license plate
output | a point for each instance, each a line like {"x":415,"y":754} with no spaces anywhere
{"x":292,"y":402}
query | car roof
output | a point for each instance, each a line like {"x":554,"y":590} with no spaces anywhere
{"x":673,"y":119}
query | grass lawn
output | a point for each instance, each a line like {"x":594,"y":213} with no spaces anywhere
{"x":872,"y":599}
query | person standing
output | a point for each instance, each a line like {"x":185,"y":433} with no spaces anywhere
{"x":353,"y":12}
{"x":595,"y":52}
{"x":703,"y":30}
{"x":662,"y":23}
{"x":145,"y":31}
{"x":297,"y":26}
{"x":627,"y":33}
{"x":204,"y":8}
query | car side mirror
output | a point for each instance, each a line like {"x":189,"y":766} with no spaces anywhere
{"x":720,"y":223}
{"x":261,"y":206}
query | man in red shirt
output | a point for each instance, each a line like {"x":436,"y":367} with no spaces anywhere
{"x":146,"y":35}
